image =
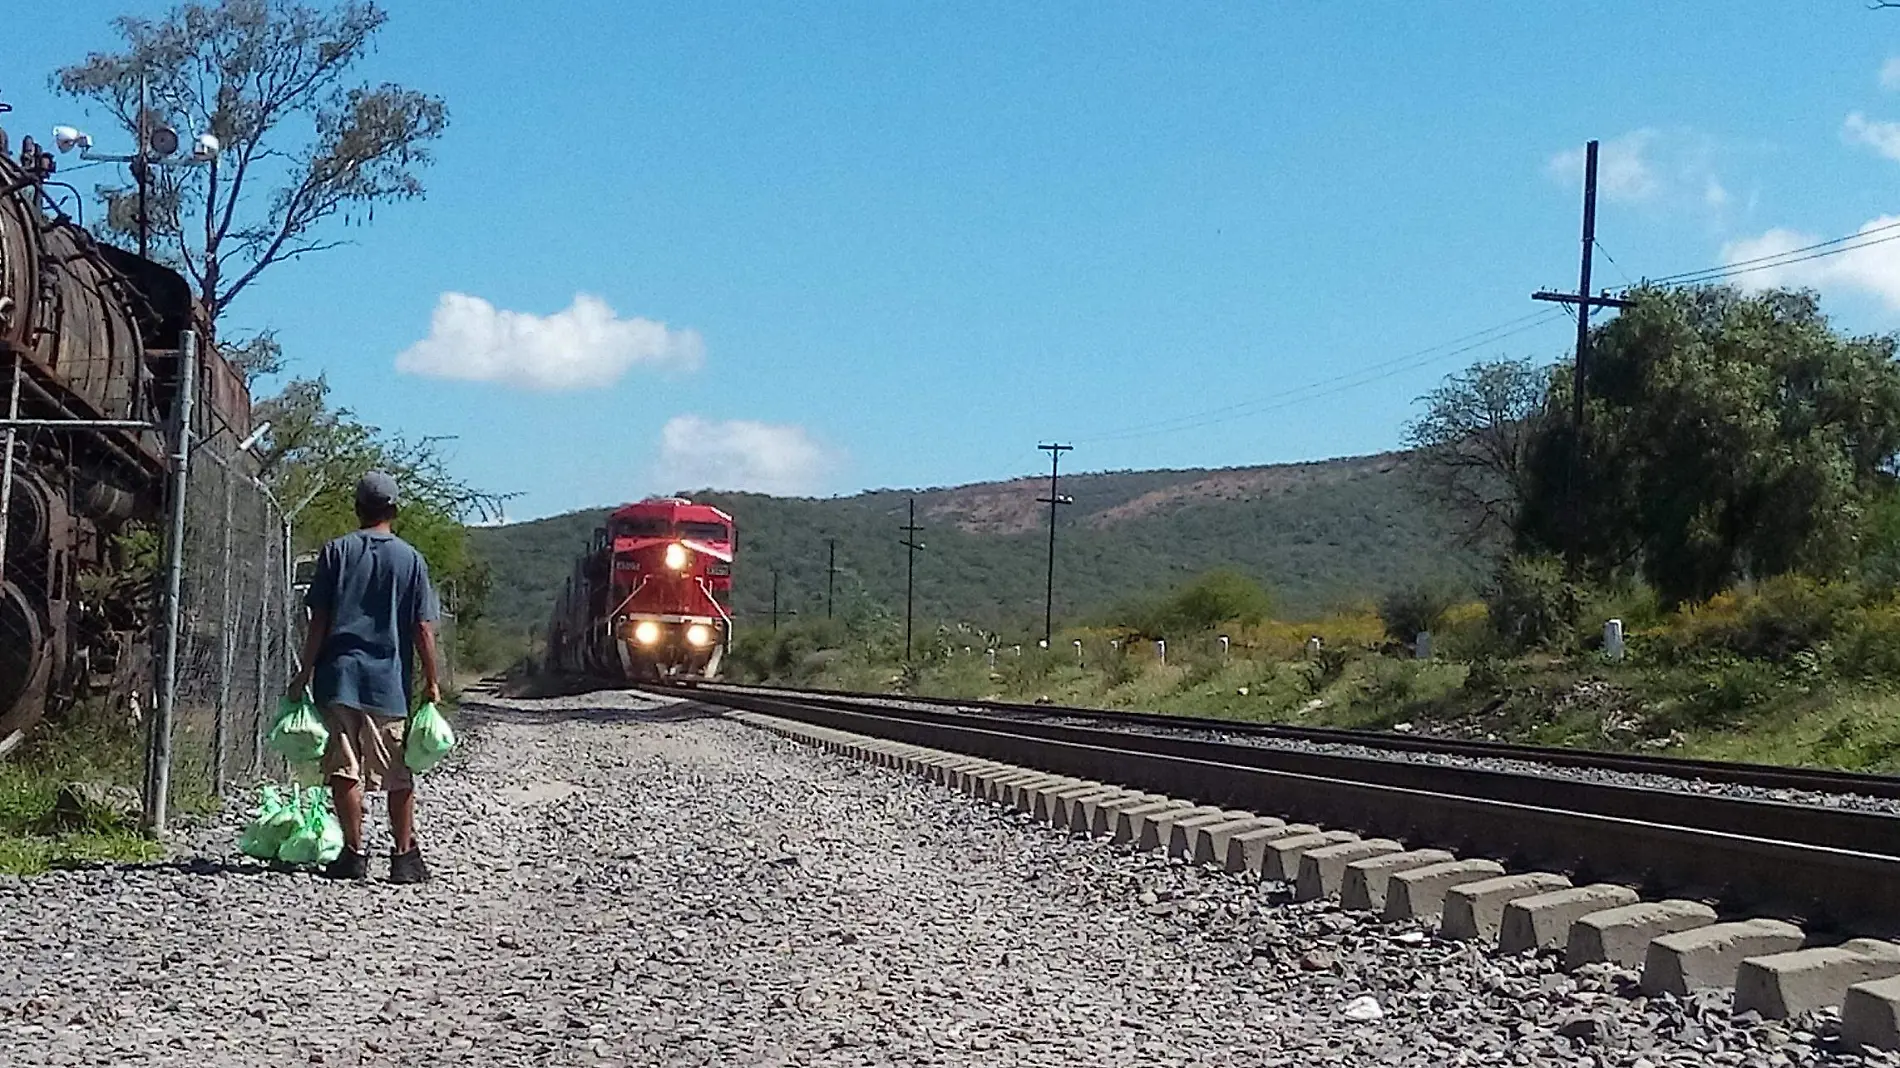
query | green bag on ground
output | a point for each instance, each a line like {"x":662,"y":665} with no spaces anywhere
{"x":274,"y":821}
{"x":427,"y":739}
{"x":318,"y":838}
{"x":298,"y":735}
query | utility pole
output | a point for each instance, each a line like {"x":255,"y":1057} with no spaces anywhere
{"x":1584,"y":302}
{"x":912,"y":547}
{"x":1054,"y":500}
{"x":831,"y":573}
{"x":775,"y":600}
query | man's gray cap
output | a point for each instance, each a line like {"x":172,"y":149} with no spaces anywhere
{"x":377,"y":488}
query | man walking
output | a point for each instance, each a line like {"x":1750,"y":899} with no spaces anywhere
{"x":372,"y":614}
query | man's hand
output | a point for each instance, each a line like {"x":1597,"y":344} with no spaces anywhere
{"x":432,"y":691}
{"x":299,"y":684}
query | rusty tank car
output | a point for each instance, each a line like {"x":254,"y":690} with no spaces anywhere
{"x":87,"y":332}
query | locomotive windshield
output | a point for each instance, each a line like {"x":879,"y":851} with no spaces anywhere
{"x":705,"y":531}
{"x":641,"y":528}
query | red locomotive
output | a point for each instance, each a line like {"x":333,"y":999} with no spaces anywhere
{"x":647,"y":601}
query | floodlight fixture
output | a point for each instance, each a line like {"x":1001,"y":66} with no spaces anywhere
{"x":162,"y":140}
{"x":67,"y":138}
{"x":206,"y":149}
{"x":255,"y":436}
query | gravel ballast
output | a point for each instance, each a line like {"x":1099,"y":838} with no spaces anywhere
{"x":622,"y":881}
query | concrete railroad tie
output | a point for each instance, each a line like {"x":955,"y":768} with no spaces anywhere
{"x":1362,"y":885}
{"x":1209,"y":842}
{"x":1543,"y":921}
{"x":1181,"y":835}
{"x":1781,"y":985}
{"x":1870,"y":1016}
{"x":1707,"y":957}
{"x":1419,"y":893}
{"x":1622,"y":935}
{"x":1323,"y":870}
{"x":1475,"y":911}
{"x":1247,"y":851}
{"x":1282,"y":858}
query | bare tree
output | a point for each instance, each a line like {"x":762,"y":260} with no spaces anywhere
{"x":1471,"y":443}
{"x":301,"y":148}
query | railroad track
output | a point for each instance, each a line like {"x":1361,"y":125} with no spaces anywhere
{"x":1830,"y":869}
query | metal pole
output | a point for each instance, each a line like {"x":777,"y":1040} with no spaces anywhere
{"x":831,"y":574}
{"x":141,"y":169}
{"x":1054,"y":499}
{"x":775,"y":600}
{"x":1577,"y":409}
{"x":910,"y":579}
{"x":911,"y":546}
{"x":6,"y":466}
{"x":227,"y":637}
{"x":159,"y":768}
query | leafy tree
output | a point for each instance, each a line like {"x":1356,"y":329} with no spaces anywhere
{"x":313,"y":455}
{"x":1728,"y":436}
{"x":1408,"y":610}
{"x":1471,"y":445}
{"x":301,"y":146}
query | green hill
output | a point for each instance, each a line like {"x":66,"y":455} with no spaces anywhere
{"x":1316,"y":534}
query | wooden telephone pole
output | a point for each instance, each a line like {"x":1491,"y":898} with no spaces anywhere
{"x":1584,"y":303}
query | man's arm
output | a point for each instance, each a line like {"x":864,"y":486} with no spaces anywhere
{"x":425,"y":651}
{"x":321,"y":600}
{"x":312,"y":646}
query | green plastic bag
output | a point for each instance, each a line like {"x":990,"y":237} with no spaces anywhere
{"x":318,"y":838}
{"x":298,"y":735}
{"x":274,"y":821}
{"x":427,"y":739}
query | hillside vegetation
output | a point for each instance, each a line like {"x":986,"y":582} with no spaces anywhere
{"x":1318,"y":535}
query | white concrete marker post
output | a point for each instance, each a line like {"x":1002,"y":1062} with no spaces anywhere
{"x":1613,"y":639}
{"x":1161,"y":649}
{"x":1422,"y":648}
{"x":1223,"y":646}
{"x":1078,"y":651}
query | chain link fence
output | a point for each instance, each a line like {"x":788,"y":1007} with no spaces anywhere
{"x":238,"y":627}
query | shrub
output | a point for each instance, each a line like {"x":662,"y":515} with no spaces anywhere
{"x":1778,"y":618}
{"x":1531,"y":603}
{"x":1868,"y":641}
{"x":1218,"y":597}
{"x":1407,"y":611}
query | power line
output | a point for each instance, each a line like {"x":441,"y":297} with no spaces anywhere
{"x":1782,"y":258}
{"x":1340,"y":383}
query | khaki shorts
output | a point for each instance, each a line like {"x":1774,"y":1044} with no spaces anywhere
{"x":366,"y":748}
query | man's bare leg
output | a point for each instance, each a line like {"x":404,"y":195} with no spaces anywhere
{"x":348,"y":795}
{"x":402,"y":819}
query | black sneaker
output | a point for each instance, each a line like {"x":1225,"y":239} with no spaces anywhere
{"x":408,"y":867}
{"x":348,"y":864}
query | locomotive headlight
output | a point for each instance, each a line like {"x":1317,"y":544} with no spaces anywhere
{"x":699,"y":635}
{"x":676,"y":556}
{"x":646,"y":632}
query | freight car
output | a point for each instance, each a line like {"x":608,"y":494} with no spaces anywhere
{"x":647,"y":600}
{"x":87,"y":332}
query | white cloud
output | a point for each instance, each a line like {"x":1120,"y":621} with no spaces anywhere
{"x":1882,"y":137}
{"x":586,"y":345}
{"x":1890,"y":73}
{"x":1657,"y":168}
{"x":738,"y":454}
{"x":1624,"y":169}
{"x":1873,"y":270}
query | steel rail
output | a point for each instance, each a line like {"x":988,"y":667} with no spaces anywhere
{"x":1767,"y":776}
{"x":1750,"y":857}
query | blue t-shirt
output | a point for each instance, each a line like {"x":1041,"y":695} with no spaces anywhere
{"x":376,"y":589}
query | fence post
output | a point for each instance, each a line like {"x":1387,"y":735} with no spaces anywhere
{"x":227,"y":640}
{"x":158,"y":768}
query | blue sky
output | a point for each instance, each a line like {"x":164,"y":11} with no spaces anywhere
{"x":818,"y":248}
